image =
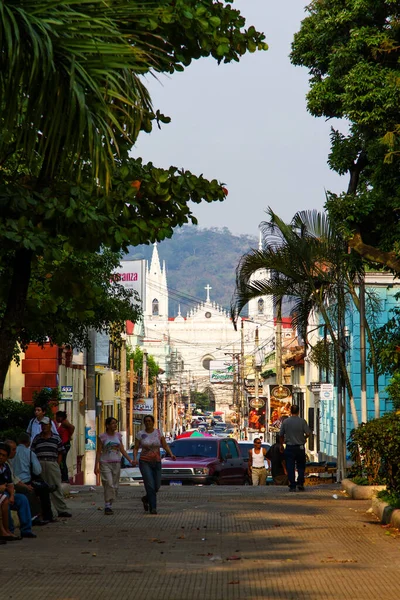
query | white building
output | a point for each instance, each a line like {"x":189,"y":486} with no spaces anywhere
{"x":204,"y":334}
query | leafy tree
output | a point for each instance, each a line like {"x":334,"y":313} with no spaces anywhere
{"x":137,"y":356}
{"x":351,"y":49}
{"x":68,"y":296}
{"x":71,"y":105}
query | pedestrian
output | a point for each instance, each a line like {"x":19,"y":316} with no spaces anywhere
{"x":108,"y":462}
{"x":48,"y":448}
{"x":278,"y":465}
{"x":65,"y":430}
{"x":294,"y":432}
{"x":34,"y":428}
{"x":6,"y":496}
{"x":22,"y":502}
{"x":27,"y":469}
{"x":149,"y":441}
{"x":256,"y":468}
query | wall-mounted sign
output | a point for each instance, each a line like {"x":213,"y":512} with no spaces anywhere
{"x":221,"y":371}
{"x":280,"y":401}
{"x":257,"y":402}
{"x":143,"y":406}
{"x":326,"y":391}
{"x":66,"y":393}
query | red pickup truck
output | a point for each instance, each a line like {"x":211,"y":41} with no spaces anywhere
{"x":206,"y":460}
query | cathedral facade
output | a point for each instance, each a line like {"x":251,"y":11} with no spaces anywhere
{"x":203,"y":335}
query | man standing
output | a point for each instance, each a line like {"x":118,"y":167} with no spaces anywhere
{"x":294,"y":432}
{"x":65,"y":431}
{"x":257,"y":470}
{"x":48,"y":448}
{"x":278,"y":465}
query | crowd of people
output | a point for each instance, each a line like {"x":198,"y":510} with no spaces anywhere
{"x":32,"y":469}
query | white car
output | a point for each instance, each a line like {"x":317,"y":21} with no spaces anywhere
{"x":132,"y":475}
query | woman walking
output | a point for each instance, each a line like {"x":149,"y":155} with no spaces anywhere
{"x":108,"y":462}
{"x":150,"y":440}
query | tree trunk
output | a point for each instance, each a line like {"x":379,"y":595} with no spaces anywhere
{"x":13,"y":319}
{"x":342,"y":365}
{"x":373,"y":354}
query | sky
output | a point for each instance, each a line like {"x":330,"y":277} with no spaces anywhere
{"x":246,"y":124}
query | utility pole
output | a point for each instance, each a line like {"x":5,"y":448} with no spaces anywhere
{"x":145,"y":376}
{"x":164,"y":410}
{"x":363,"y":357}
{"x":256,"y":394}
{"x":124,"y":410}
{"x":131,"y":378}
{"x":90,"y":412}
{"x":278,"y":342}
{"x":155,"y":400}
{"x":242,"y":408}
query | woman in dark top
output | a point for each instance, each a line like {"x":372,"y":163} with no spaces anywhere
{"x":278,"y":465}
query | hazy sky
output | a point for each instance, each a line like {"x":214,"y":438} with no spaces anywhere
{"x":246,"y":125}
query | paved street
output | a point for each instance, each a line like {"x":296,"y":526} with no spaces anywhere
{"x":208,"y":543}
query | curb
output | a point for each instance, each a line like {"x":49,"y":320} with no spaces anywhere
{"x":361,"y":492}
{"x":386,"y":514}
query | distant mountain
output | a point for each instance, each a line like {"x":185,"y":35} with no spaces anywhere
{"x":198,"y":257}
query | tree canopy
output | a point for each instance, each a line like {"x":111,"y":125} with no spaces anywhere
{"x":351,"y":49}
{"x":72,"y":102}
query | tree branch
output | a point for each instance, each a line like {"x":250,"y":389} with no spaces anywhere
{"x":372,"y":254}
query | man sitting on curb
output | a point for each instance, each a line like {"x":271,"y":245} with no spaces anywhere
{"x":48,"y":448}
{"x":23,"y":467}
{"x":17,"y":502}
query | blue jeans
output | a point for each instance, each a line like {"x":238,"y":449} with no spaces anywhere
{"x":295,"y":457}
{"x":21,"y":506}
{"x":151,"y":472}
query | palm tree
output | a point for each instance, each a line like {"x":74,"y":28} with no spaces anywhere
{"x":310,"y":264}
{"x":70,"y":87}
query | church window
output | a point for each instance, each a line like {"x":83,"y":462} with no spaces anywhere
{"x":155,"y":308}
{"x":260,"y":306}
{"x":206,"y":362}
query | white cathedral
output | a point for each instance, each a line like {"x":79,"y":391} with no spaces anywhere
{"x":204,"y":334}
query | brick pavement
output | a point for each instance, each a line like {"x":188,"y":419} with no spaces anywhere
{"x":289,"y":546}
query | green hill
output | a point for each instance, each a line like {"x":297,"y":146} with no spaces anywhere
{"x":196,"y":257}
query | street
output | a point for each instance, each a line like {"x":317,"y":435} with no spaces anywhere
{"x":208,"y":543}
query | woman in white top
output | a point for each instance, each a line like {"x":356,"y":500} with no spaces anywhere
{"x":34,"y":427}
{"x":257,"y":457}
{"x":108,"y":462}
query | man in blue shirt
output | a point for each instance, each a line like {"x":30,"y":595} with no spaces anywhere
{"x":26,"y":467}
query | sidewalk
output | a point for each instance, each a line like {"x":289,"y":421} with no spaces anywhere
{"x":208,"y":543}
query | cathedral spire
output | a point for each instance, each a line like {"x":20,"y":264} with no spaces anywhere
{"x":208,"y":288}
{"x":155,"y":267}
{"x":260,"y":243}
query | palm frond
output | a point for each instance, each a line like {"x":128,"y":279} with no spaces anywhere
{"x":70,"y":79}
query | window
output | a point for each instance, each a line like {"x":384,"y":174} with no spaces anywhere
{"x":154,"y":307}
{"x":206,"y":362}
{"x":232,"y":448}
{"x":224,"y":449}
{"x":260,"y":304}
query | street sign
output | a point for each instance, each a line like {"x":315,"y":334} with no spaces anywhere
{"x":66,"y":393}
{"x":326,"y":391}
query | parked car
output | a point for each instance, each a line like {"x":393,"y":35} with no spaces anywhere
{"x":205,"y":460}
